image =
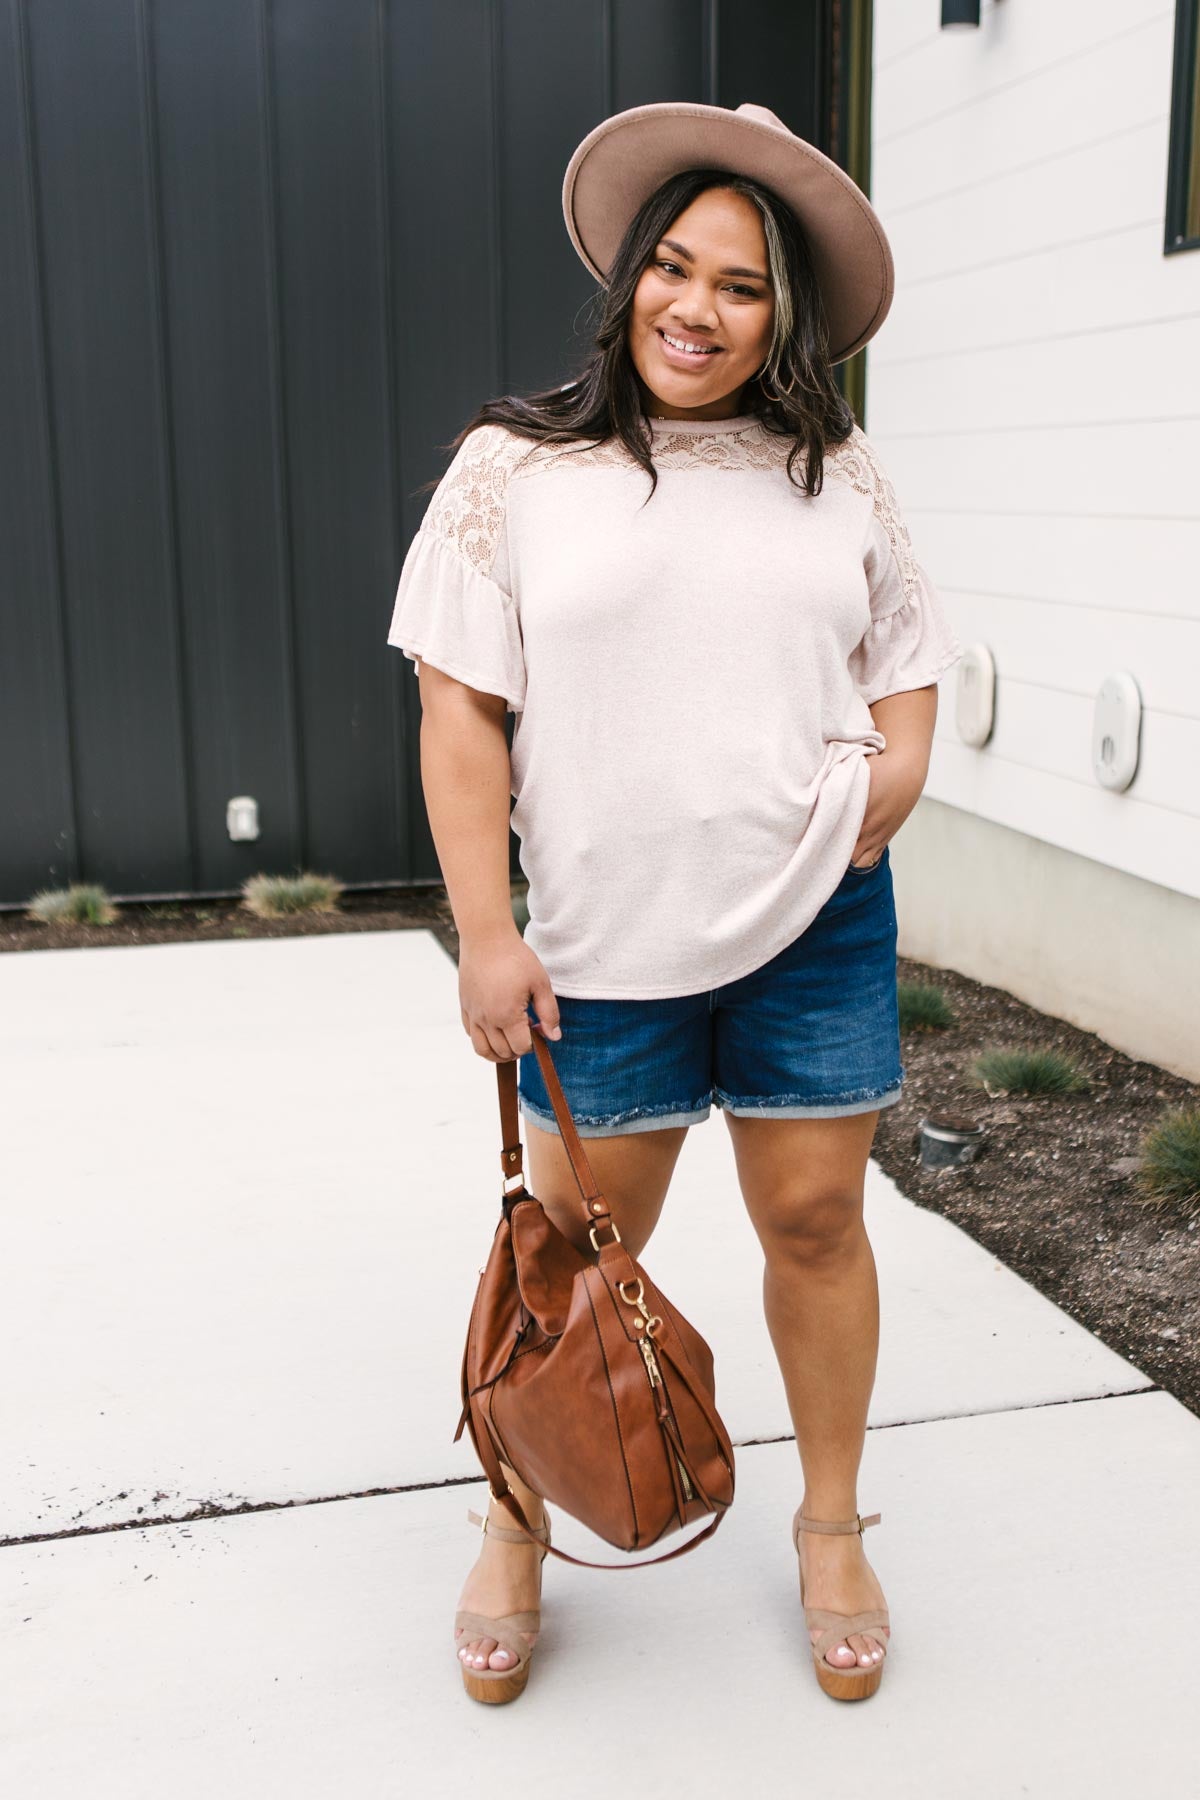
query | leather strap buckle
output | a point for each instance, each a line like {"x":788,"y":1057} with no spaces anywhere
{"x":615,"y":1239}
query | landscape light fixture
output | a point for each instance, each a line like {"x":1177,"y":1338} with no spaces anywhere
{"x":959,"y":12}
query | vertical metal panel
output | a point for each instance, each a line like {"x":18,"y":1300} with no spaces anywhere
{"x":108,"y":406}
{"x":37,"y":829}
{"x":328,"y":133}
{"x":659,"y":51}
{"x":553,"y":83}
{"x":445,"y":320}
{"x":774,"y":53}
{"x":220,"y":284}
{"x":259,"y":260}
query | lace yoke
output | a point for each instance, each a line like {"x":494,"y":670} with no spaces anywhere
{"x":469,"y":507}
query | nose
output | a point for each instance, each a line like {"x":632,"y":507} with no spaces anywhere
{"x":702,"y":320}
{"x":699,"y":315}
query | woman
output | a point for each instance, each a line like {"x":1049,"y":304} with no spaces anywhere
{"x":685,"y":573}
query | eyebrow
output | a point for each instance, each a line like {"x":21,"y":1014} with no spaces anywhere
{"x":754,"y":274}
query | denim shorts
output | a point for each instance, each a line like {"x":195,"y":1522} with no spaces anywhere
{"x":812,"y":1034}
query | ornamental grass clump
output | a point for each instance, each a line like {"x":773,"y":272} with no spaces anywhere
{"x":1028,"y":1072}
{"x":83,"y":903}
{"x":281,"y":896}
{"x":1170,"y":1171}
{"x":923,"y":1007}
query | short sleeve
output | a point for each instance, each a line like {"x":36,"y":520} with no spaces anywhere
{"x":909,"y":642}
{"x":453,"y":606}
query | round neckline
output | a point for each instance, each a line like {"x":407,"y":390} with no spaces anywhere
{"x":702,"y":427}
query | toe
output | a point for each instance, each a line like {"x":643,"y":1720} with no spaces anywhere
{"x":839,"y":1655}
{"x":862,"y":1647}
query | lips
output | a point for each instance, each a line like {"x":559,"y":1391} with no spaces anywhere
{"x":685,"y":359}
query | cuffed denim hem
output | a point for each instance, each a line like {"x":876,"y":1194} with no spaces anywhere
{"x":784,"y":1108}
{"x":640,"y":1120}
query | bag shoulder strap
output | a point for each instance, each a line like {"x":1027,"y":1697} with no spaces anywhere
{"x":595,"y":1206}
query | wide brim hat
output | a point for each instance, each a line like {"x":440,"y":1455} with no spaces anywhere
{"x":625,"y":158}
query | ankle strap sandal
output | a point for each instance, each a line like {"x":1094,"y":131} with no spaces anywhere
{"x":841,"y":1684}
{"x":496,"y":1686}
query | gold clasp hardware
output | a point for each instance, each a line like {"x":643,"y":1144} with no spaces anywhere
{"x":615,"y":1239}
{"x":652,"y":1319}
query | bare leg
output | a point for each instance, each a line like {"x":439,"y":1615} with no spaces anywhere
{"x":634,"y":1171}
{"x":802,"y":1181}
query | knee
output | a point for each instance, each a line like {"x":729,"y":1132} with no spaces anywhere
{"x":813,"y":1230}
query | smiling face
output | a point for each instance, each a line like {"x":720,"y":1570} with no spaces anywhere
{"x":707,"y":286}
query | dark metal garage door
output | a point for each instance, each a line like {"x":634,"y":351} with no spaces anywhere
{"x":258,"y":258}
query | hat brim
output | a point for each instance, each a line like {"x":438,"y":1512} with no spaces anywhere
{"x":622,"y":160}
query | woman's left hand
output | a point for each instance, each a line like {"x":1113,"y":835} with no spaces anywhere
{"x":896,"y":784}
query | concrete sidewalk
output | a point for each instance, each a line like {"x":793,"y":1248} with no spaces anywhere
{"x":212,"y":1155}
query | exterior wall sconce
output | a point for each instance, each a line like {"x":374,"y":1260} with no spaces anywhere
{"x":959,"y":12}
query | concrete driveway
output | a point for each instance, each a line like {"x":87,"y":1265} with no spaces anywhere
{"x":246,"y":1190}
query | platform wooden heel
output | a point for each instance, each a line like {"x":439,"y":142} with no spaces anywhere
{"x":849,"y":1683}
{"x":496,"y":1686}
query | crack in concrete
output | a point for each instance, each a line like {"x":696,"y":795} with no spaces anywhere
{"x":209,"y":1510}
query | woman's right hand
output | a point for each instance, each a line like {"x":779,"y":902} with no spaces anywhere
{"x":497,"y":980}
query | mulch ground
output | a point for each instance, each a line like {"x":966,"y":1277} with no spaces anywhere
{"x":1050,"y":1192}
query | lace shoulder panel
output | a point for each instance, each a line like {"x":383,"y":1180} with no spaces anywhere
{"x":856,"y":462}
{"x":468,"y":506}
{"x":752,"y":448}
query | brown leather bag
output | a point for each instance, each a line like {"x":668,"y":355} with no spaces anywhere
{"x":581,"y":1375}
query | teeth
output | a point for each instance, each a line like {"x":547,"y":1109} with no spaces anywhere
{"x":692,"y":349}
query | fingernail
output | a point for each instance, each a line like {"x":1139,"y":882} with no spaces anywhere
{"x":557,"y":1032}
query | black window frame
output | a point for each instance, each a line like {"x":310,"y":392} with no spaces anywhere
{"x":1183,"y":158}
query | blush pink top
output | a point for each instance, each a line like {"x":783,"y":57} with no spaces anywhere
{"x":691,"y":676}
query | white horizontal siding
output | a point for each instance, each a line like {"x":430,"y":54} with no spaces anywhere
{"x":1057,"y":722}
{"x":1035,"y":397}
{"x":1140,"y":567}
{"x":1047,"y":383}
{"x":1059,"y":468}
{"x":1030,"y":54}
{"x":1113,"y":278}
{"x":1040,"y":644}
{"x":1114,"y":829}
{"x":1105,"y":186}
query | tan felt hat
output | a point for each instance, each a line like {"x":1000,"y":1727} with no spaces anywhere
{"x":624,"y":158}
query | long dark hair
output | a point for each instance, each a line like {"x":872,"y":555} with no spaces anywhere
{"x":794,"y":394}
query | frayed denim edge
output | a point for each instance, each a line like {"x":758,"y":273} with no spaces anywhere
{"x":785,"y":1109}
{"x":641,"y":1119}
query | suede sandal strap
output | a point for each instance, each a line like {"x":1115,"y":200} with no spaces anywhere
{"x":505,"y":1533}
{"x":505,"y":1631}
{"x":839,"y":1526}
{"x":824,"y":1644}
{"x":840,"y":1625}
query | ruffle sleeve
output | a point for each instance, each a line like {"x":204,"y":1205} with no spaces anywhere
{"x":909,"y":642}
{"x":453,"y":606}
{"x":449,"y":614}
